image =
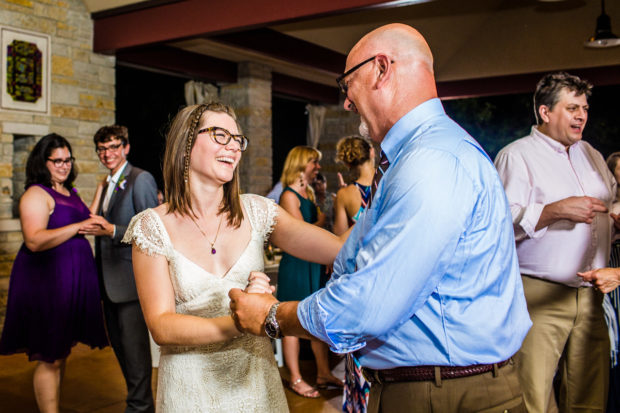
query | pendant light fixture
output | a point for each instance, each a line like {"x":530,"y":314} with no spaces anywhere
{"x":603,"y":37}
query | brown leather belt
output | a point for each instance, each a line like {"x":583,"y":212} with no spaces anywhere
{"x":427,"y":373}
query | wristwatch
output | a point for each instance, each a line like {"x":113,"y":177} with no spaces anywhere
{"x":272,"y":328}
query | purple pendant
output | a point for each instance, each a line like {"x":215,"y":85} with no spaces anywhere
{"x":213,"y":251}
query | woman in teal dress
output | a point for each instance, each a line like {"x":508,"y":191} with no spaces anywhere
{"x":297,"y":279}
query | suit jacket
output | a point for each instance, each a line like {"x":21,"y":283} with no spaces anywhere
{"x":135,"y":191}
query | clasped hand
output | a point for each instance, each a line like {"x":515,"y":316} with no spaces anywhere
{"x":581,"y":208}
{"x":584,"y":209}
{"x":250,"y":307}
{"x":96,"y":225}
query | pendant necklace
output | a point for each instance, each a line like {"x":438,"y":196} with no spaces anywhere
{"x":213,"y":251}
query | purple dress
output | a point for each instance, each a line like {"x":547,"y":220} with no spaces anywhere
{"x":54,"y":299}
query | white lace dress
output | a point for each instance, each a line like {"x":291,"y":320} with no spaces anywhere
{"x":238,"y":375}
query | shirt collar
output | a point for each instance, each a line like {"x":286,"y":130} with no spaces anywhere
{"x":114,"y":178}
{"x":406,"y":126}
{"x":552,"y":143}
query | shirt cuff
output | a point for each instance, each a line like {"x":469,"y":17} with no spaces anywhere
{"x":313,"y":318}
{"x":114,"y":232}
{"x":530,"y":219}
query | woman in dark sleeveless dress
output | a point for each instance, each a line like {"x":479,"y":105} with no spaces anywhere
{"x":359,"y":156}
{"x":297,"y":279}
{"x":54,"y":297}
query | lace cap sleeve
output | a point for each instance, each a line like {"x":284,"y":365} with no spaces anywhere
{"x":146,"y":232}
{"x":262,"y":213}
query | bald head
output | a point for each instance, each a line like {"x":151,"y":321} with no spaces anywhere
{"x":396,"y":77}
{"x":401,"y":42}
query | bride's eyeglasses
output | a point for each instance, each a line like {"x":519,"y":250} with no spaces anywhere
{"x":223,"y":137}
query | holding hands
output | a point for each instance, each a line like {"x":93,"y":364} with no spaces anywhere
{"x":258,"y":283}
{"x":249,"y":311}
{"x":89,"y":226}
{"x":250,"y":307}
{"x":98,"y":226}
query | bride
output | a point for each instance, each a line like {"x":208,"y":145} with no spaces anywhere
{"x":190,"y":251}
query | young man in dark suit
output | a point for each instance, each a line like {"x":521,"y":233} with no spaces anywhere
{"x":129,"y":190}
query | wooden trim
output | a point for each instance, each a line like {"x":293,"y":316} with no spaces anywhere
{"x":129,"y":8}
{"x":187,"y":64}
{"x":191,"y":18}
{"x":309,"y":91}
{"x":522,"y":83}
{"x":280,"y":46}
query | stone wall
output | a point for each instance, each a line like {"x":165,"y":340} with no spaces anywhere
{"x":81,"y":101}
{"x":251,"y":98}
{"x":338,"y":124}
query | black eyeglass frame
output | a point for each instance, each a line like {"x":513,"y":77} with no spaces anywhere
{"x":112,"y":148}
{"x":344,"y":88}
{"x":242,"y":140}
{"x":60,"y":162}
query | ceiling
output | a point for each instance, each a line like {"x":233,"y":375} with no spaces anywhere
{"x":480,"y":47}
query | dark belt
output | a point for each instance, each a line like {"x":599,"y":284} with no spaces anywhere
{"x":427,"y":373}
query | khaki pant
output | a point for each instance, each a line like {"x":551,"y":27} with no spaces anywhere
{"x":495,"y":391}
{"x":568,"y":336}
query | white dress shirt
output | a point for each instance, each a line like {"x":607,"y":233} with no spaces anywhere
{"x":112,"y":181}
{"x":537,"y":170}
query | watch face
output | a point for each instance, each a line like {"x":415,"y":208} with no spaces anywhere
{"x":271,"y":330}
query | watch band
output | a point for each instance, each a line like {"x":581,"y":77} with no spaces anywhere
{"x":272,"y":328}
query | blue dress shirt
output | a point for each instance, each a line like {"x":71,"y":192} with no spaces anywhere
{"x":429,"y":274}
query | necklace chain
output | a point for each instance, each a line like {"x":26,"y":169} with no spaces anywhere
{"x":213,"y":250}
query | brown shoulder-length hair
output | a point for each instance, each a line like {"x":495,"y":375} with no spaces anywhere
{"x":179,"y":143}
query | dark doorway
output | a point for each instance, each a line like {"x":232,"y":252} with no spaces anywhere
{"x":289,"y":120}
{"x":146,"y":102}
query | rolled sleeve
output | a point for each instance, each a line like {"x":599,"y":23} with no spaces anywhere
{"x":525,"y":224}
{"x":515,"y":177}
{"x":313,"y":319}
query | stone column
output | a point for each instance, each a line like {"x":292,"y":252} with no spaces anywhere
{"x":251,"y":99}
{"x":338,"y":124}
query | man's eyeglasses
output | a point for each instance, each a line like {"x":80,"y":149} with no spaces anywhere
{"x":60,"y":162}
{"x":223,"y":137}
{"x":344,"y":87}
{"x":112,"y":148}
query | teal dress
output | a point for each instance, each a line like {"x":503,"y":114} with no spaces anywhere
{"x":297,"y":279}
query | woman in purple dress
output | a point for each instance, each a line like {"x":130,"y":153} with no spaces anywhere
{"x":54,"y":297}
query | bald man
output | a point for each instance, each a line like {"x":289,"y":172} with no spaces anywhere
{"x":426,"y":291}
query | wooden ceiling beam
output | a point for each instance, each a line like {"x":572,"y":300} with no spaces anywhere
{"x":522,"y":83}
{"x":173,"y":60}
{"x":191,"y":18}
{"x":280,"y":46}
{"x":303,"y":89}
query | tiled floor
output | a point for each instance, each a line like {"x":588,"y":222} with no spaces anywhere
{"x":93,"y":383}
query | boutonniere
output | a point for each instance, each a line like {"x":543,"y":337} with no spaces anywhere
{"x":74,"y":189}
{"x":122,"y":183}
